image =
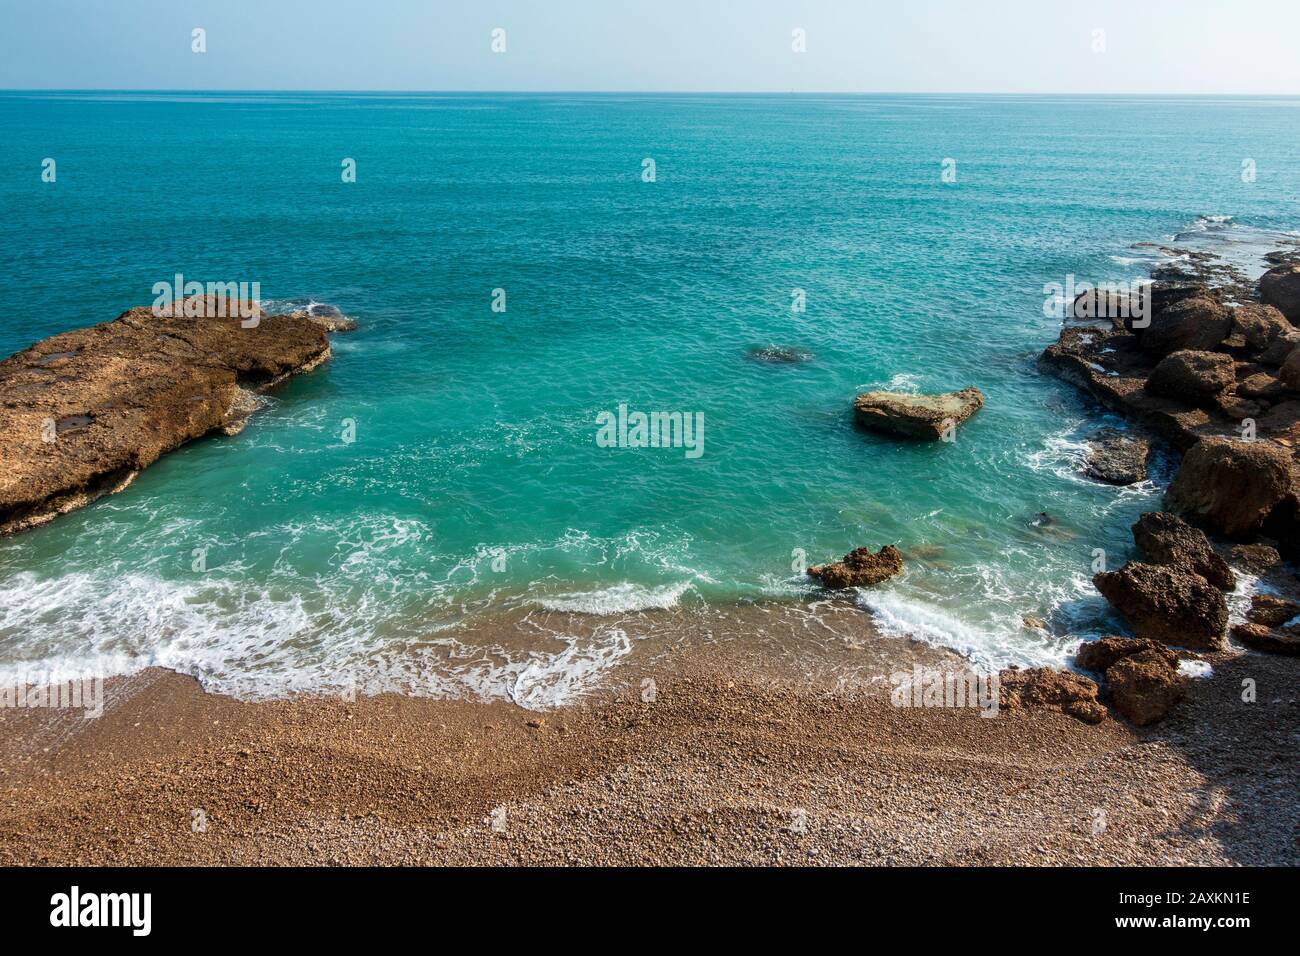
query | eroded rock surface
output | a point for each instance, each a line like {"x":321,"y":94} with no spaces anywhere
{"x":1167,"y":539}
{"x":83,"y":412}
{"x":1231,"y":485}
{"x":916,"y":416}
{"x":1116,"y":458}
{"x":860,"y":568}
{"x":1167,"y":605}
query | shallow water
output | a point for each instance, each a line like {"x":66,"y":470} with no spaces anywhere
{"x":475,"y":485}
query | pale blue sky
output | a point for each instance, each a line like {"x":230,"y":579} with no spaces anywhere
{"x":1021,"y":46}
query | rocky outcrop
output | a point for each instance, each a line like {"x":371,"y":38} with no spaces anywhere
{"x":1262,"y":328}
{"x":1231,"y":485}
{"x":1192,"y":374}
{"x":1166,"y":539}
{"x":1116,"y":458}
{"x":1141,"y":675}
{"x":1167,"y":605}
{"x":83,"y":412}
{"x":1043,"y":688}
{"x":916,"y":416}
{"x":1256,"y":558}
{"x":859,"y":568}
{"x":1260,"y":637}
{"x":1280,"y":287}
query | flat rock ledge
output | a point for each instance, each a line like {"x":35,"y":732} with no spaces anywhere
{"x":83,"y":412}
{"x":916,"y":416}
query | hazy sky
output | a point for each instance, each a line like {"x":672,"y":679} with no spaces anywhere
{"x":1030,"y":46}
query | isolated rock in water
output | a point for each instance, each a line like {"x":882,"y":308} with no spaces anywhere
{"x":1100,"y":654}
{"x":916,"y":416}
{"x":1044,"y":688}
{"x":1167,"y":539}
{"x":1198,"y":323}
{"x":1034,"y":623}
{"x":1262,"y":638}
{"x":1144,"y":686}
{"x":1166,"y":605}
{"x":328,"y":317}
{"x":1116,"y":458}
{"x":1271,"y":611}
{"x":81,"y":413}
{"x":860,"y":568}
{"x":1280,"y":287}
{"x":1231,"y":485}
{"x":1190,"y":374}
{"x":1256,"y":557}
{"x":780,"y":354}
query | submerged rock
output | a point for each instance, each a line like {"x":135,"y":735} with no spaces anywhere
{"x":1043,"y":688}
{"x":1231,"y":485}
{"x":860,"y":568}
{"x":916,"y":416}
{"x":780,"y":354}
{"x":1116,"y":458}
{"x":1167,"y":605}
{"x":83,"y":412}
{"x":1167,"y":539}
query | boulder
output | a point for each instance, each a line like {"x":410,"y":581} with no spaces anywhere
{"x":1167,"y":605}
{"x":1262,"y":638}
{"x":1260,"y":325}
{"x":1280,"y":287}
{"x":83,"y":412}
{"x":1231,"y":484}
{"x":860,"y":568}
{"x":916,"y":416}
{"x":1167,"y":539}
{"x":1260,"y":385}
{"x":1116,"y":458}
{"x":1271,"y":611}
{"x":1191,"y":375}
{"x":1144,"y":686}
{"x":1289,"y":372}
{"x":1100,"y":654}
{"x":1199,"y":323}
{"x":1044,"y":688}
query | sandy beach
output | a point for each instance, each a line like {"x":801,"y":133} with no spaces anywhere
{"x":724,"y":766}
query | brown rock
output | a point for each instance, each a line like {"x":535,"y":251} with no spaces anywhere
{"x":1260,"y":385}
{"x":1280,"y":287}
{"x":1144,"y":686}
{"x":1044,"y":688}
{"x":1289,"y":373}
{"x":1256,"y":557}
{"x":1100,"y":654}
{"x":1188,"y":374}
{"x":860,"y":568}
{"x":916,"y":416}
{"x":1260,"y":325}
{"x":1167,"y":539}
{"x":1271,"y":611}
{"x":1265,"y":639}
{"x":82,"y":413}
{"x":1230,"y":484}
{"x":1198,"y":323}
{"x":1166,"y":605}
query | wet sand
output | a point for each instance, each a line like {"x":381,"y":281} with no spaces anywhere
{"x":730,"y":762}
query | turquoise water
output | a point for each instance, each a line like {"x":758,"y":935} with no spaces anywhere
{"x":475,"y":484}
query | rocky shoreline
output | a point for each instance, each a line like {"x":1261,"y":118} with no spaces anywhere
{"x":83,"y":412}
{"x":1212,"y":369}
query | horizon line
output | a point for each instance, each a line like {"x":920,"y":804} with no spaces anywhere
{"x":590,"y":92}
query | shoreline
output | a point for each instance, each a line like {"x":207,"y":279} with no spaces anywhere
{"x":717,"y":768}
